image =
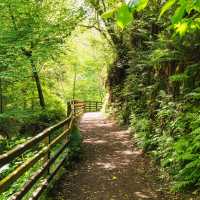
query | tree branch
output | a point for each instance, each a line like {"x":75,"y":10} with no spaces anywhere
{"x":100,"y":30}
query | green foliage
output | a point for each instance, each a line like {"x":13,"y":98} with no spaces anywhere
{"x":108,"y":14}
{"x":42,"y":46}
{"x":174,"y":142}
{"x":123,"y":13}
{"x":167,"y":6}
{"x":183,"y":158}
{"x":153,"y":72}
{"x":33,"y":38}
{"x":89,"y":56}
{"x":154,"y":84}
{"x":141,"y":5}
{"x":123,"y":16}
{"x":186,"y":15}
{"x":75,"y":144}
{"x":179,"y":77}
{"x":73,"y":154}
{"x":29,"y":122}
{"x":43,"y":43}
{"x":141,"y":129}
{"x":15,"y":163}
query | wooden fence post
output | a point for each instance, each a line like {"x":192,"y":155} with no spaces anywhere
{"x":49,"y":154}
{"x":69,"y":108}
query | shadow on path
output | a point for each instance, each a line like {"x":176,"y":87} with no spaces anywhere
{"x":112,"y":168}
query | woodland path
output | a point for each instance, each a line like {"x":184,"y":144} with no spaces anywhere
{"x":111,"y":167}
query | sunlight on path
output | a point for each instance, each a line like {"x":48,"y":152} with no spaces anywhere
{"x":112,"y":169}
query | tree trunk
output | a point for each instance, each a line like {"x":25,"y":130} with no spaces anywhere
{"x":38,"y":84}
{"x":1,"y":96}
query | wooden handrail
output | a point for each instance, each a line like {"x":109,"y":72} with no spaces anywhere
{"x":9,"y":156}
{"x":75,"y":110}
{"x":37,"y":176}
{"x":46,"y":182}
{"x":5,"y":183}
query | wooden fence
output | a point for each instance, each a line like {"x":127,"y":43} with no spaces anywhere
{"x":92,"y":106}
{"x":87,"y":106}
{"x":43,"y":154}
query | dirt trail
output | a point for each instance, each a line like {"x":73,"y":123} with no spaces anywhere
{"x":112,"y":168}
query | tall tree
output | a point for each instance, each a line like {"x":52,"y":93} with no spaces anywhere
{"x":32,"y":32}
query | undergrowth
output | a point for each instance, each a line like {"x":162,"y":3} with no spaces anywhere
{"x":72,"y":152}
{"x":173,"y":139}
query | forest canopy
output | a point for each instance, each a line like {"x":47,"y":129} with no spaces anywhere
{"x":139,"y":57}
{"x":45,"y":47}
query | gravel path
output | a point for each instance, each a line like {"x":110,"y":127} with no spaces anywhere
{"x":111,"y":168}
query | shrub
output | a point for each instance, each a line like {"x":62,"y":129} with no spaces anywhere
{"x":75,"y":144}
{"x":141,"y":128}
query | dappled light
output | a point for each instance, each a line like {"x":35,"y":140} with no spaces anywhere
{"x":128,"y":152}
{"x":99,"y":99}
{"x":95,"y":141}
{"x":142,"y":195}
{"x":107,"y":166}
{"x":111,"y":167}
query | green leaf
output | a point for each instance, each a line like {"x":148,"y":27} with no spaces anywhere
{"x":180,"y":11}
{"x":124,"y":16}
{"x":141,"y":5}
{"x":178,"y":14}
{"x":181,"y":28}
{"x":178,"y":77}
{"x":108,"y":14}
{"x":166,"y":7}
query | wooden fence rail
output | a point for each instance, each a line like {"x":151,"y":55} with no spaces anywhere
{"x":43,"y":154}
{"x":49,"y":140}
{"x":92,"y":106}
{"x":88,"y":106}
